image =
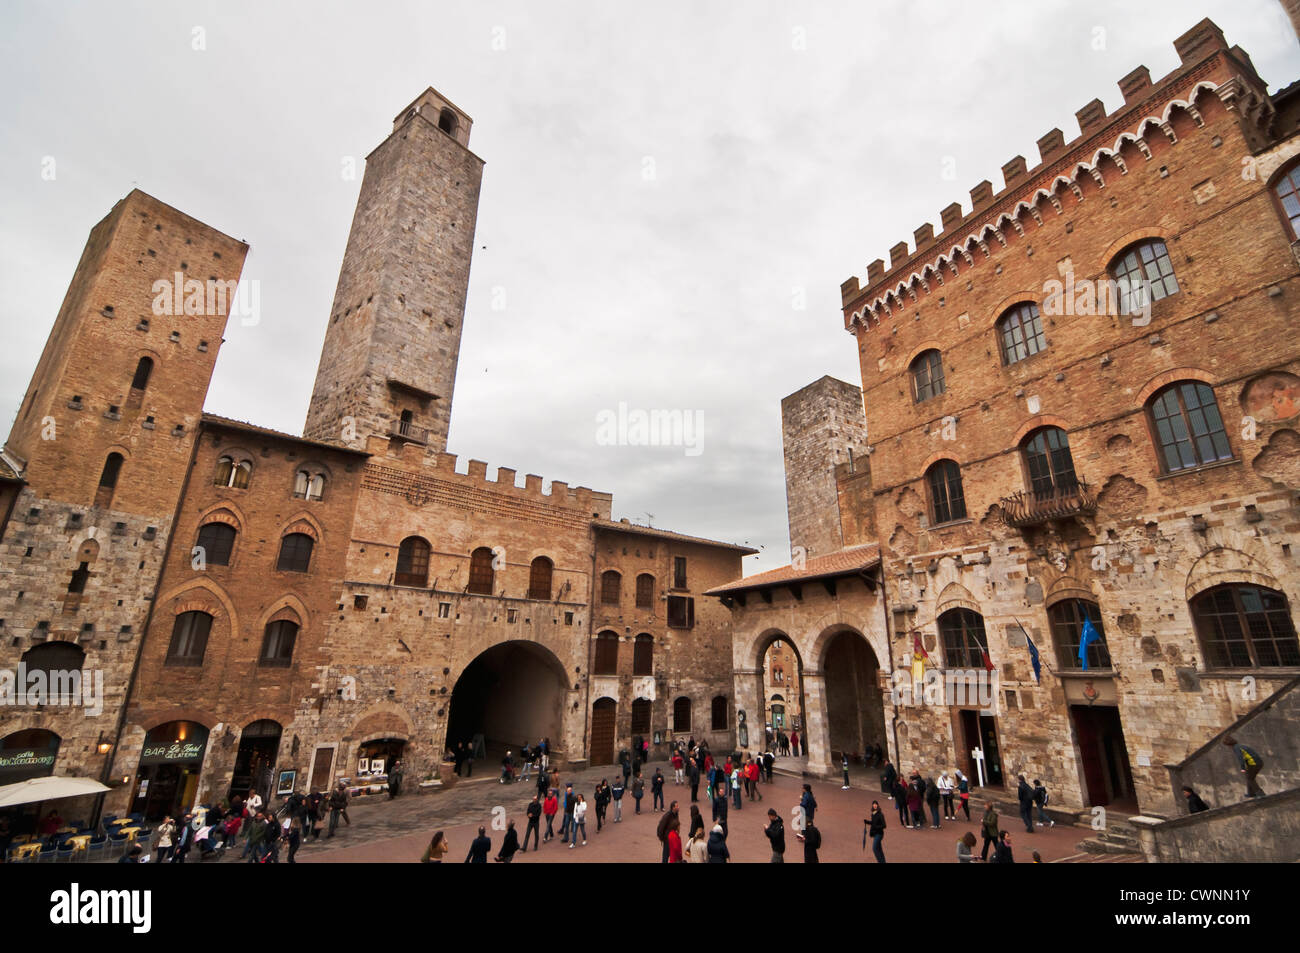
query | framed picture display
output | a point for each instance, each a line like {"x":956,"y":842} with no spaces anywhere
{"x":286,"y":782}
{"x":363,"y":766}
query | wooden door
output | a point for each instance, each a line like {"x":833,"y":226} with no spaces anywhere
{"x":320,"y":769}
{"x":1094,"y":774}
{"x":603,"y":718}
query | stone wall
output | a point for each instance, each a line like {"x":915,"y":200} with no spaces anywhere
{"x":1258,"y":831}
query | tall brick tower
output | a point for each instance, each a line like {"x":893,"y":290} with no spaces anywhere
{"x":103,"y":443}
{"x":388,"y":364}
{"x":822,"y":425}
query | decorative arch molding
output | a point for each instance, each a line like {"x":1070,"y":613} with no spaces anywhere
{"x":1165,"y":378}
{"x":100,"y":547}
{"x":1223,"y":565}
{"x":931,"y":345}
{"x":761,"y":642}
{"x":935,"y":457}
{"x":1162,"y":124}
{"x":373,"y":715}
{"x":829,"y":627}
{"x":239,"y":722}
{"x":1145,"y":233}
{"x":1010,"y":301}
{"x":954,"y":594}
{"x":305,"y":523}
{"x":1038,"y":423}
{"x":223,"y":512}
{"x":199,"y":716}
{"x":951,"y":604}
{"x":288,"y":607}
{"x":1064,"y":588}
{"x":182,"y":592}
{"x":237,"y":452}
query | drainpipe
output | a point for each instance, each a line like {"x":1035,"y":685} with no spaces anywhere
{"x":591,"y":650}
{"x":889,"y":646}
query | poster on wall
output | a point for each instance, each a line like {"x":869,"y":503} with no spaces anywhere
{"x":286,"y":782}
{"x":363,"y":766}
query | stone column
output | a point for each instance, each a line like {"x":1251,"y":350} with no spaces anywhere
{"x":749,"y":697}
{"x":816,"y":735}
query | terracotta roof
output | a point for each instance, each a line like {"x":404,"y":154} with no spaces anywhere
{"x":267,"y":431}
{"x":667,"y":534}
{"x":8,"y":473}
{"x":843,"y":563}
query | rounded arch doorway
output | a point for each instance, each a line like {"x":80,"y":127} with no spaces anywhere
{"x":511,"y":694}
{"x":855,"y":708}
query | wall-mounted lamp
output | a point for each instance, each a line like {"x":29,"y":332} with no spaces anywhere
{"x":103,"y":745}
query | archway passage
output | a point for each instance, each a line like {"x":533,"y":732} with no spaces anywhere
{"x":781,"y":695}
{"x":511,"y":694}
{"x":855,"y":713}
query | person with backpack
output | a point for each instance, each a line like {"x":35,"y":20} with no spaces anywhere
{"x":874,"y":827}
{"x":717,"y":846}
{"x":809,"y":804}
{"x":616,"y":792}
{"x":1251,"y":764}
{"x":1040,"y":802}
{"x":989,"y":829}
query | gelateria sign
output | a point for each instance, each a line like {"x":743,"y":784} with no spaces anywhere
{"x":16,"y":760}
{"x":170,"y":753}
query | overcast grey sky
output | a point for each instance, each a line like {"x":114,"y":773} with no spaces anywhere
{"x":790,"y":144}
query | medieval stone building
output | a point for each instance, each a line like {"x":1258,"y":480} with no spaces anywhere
{"x":1082,"y":399}
{"x":269,"y":609}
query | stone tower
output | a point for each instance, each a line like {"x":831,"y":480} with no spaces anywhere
{"x":822,"y":425}
{"x":388,"y":364}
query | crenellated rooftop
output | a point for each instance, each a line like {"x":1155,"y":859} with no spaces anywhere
{"x":1207,"y":67}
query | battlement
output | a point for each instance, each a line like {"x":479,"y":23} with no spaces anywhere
{"x":590,"y":504}
{"x":1107,"y":143}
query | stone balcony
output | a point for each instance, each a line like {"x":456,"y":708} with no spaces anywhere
{"x":1026,"y":508}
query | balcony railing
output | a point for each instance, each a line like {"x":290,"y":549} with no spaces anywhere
{"x":1035,"y":507}
{"x":406,"y":430}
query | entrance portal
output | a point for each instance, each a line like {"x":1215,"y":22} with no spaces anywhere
{"x":511,"y":694}
{"x":855,"y":712}
{"x":259,"y":743}
{"x":980,"y":732}
{"x":1104,"y":756}
{"x":168,"y":776}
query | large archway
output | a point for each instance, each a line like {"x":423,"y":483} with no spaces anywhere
{"x":855,"y":712}
{"x":510,"y":694}
{"x":780,"y":674}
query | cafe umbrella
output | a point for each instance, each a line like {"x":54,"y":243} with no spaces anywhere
{"x":47,"y":789}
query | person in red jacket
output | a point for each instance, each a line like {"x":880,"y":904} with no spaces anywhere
{"x":674,"y":840}
{"x":550,"y":807}
{"x":679,"y":767}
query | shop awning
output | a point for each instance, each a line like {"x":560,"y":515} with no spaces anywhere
{"x":47,"y":789}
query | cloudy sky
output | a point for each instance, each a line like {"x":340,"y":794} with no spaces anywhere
{"x":673,"y":192}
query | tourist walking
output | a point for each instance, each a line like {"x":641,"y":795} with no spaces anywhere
{"x":874,"y":827}
{"x":395,"y":780}
{"x":794,"y":743}
{"x":1250,"y":763}
{"x":812,"y":842}
{"x":693,"y":775}
{"x":775,"y":832}
{"x":338,"y":804}
{"x":602,"y":803}
{"x":697,"y":821}
{"x":550,"y":807}
{"x":617,"y":794}
{"x":163,"y":845}
{"x":1040,"y":802}
{"x":679,"y":767}
{"x":1194,"y":803}
{"x":735,"y":785}
{"x":720,"y":805}
{"x":534,"y":813}
{"x":932,"y":800}
{"x":479,"y":848}
{"x":1025,"y":795}
{"x":963,"y":793}
{"x":638,"y":790}
{"x":657,"y":791}
{"x":946,"y":789}
{"x":665,"y":823}
{"x":436,"y":850}
{"x":717,"y":846}
{"x":509,"y":844}
{"x":965,"y":848}
{"x":915,"y":801}
{"x":1002,"y":854}
{"x":579,"y":821}
{"x":570,"y":803}
{"x":809,"y":805}
{"x":844,"y":763}
{"x":674,"y":840}
{"x":989,"y":829}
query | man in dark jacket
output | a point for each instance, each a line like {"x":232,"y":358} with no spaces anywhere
{"x":932,"y":799}
{"x":1002,"y":853}
{"x":808,"y":803}
{"x":509,"y":844}
{"x":657,"y":790}
{"x":534,"y":823}
{"x":271,"y":839}
{"x":1025,"y":795}
{"x":1040,"y":802}
{"x":1194,"y":803}
{"x":184,"y":839}
{"x":665,"y":823}
{"x":812,"y":842}
{"x":338,"y":805}
{"x":768,"y":760}
{"x":717,"y":846}
{"x":775,"y":832}
{"x":887,"y":779}
{"x":479,"y":848}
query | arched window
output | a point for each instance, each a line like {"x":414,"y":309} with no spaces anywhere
{"x":539,"y":578}
{"x":233,"y":473}
{"x":1051,"y":468}
{"x":216,"y":542}
{"x":108,"y":479}
{"x":719,"y":713}
{"x":143,"y":370}
{"x":610,"y":584}
{"x":606,"y":662}
{"x":1188,"y":428}
{"x":643,"y":655}
{"x":482,"y":577}
{"x":189,"y":638}
{"x":1242,"y":626}
{"x":964,"y":642}
{"x":1067,"y":619}
{"x":1020,"y":332}
{"x":447,"y":121}
{"x":277,"y":644}
{"x":1143,"y":274}
{"x":645,"y":591}
{"x":295,"y":553}
{"x":308,"y":485}
{"x":682,"y":715}
{"x":927,"y":376}
{"x":947,"y":500}
{"x":1286,"y":190}
{"x":412,"y":563}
